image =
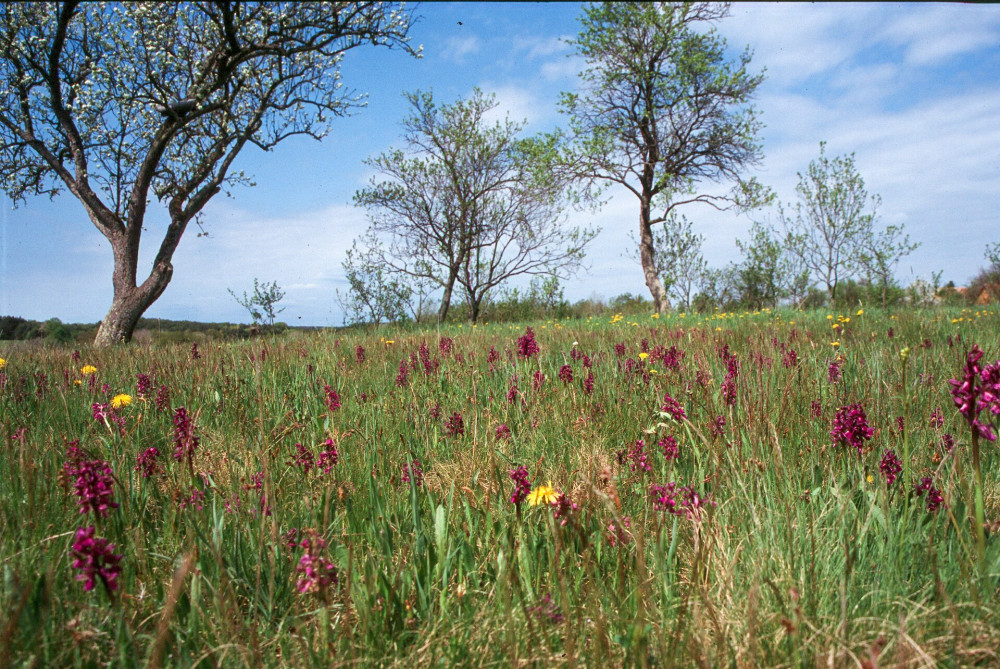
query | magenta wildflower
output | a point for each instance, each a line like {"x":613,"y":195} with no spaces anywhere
{"x":816,"y":409}
{"x":990,"y":378}
{"x":971,"y":397}
{"x":947,"y":442}
{"x":566,"y":374}
{"x":194,"y":351}
{"x":96,"y":560}
{"x":186,"y":439}
{"x":316,"y":573}
{"x":430,"y":365}
{"x":445,"y":345}
{"x":538,"y":381}
{"x":143,"y":383}
{"x":664,"y":497}
{"x":455,"y":426}
{"x":850,"y":427}
{"x":678,"y":500}
{"x":502,"y":432}
{"x":637,"y":456}
{"x":359,"y":354}
{"x":834,"y":374}
{"x":519,"y":475}
{"x":414,"y":471}
{"x":891,"y":467}
{"x":935,"y":500}
{"x":620,"y":350}
{"x":328,"y":457}
{"x":304,"y":459}
{"x":492,"y":357}
{"x":673,"y":407}
{"x":717,"y":426}
{"x":937,"y":418}
{"x":147,"y":463}
{"x":194,"y":500}
{"x":790,"y":358}
{"x":512,"y":391}
{"x":729,"y":383}
{"x":670,"y":448}
{"x":588,"y":383}
{"x":526,"y":344}
{"x":404,"y":371}
{"x":562,"y":508}
{"x":94,"y":486}
{"x":332,"y":398}
{"x":162,"y":400}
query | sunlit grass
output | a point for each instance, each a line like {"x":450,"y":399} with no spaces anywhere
{"x":287,"y":531}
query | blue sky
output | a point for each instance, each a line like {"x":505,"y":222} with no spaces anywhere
{"x":912,"y":89}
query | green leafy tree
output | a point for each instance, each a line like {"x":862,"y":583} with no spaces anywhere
{"x":263,"y":302}
{"x":664,"y":113}
{"x":831,"y":228}
{"x":881,"y":253}
{"x":121,"y":103}
{"x":469,"y":205}
{"x":373,"y":294}
{"x":992,"y":256}
{"x":679,"y":260}
{"x":768,"y":272}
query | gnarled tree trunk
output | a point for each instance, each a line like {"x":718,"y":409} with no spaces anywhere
{"x":647,"y":256}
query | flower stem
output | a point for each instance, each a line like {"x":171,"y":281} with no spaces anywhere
{"x":980,"y":532}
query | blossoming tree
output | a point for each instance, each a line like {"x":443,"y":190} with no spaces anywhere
{"x":118,"y":103}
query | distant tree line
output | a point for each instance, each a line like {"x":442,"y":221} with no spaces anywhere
{"x":160,"y":330}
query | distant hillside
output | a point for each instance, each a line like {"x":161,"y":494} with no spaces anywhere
{"x":158,"y":329}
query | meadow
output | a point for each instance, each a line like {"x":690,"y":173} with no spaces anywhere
{"x":746,"y":489}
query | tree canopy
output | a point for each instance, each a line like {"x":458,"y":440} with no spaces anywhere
{"x":468,"y":204}
{"x":662,"y":112}
{"x":122,"y":102}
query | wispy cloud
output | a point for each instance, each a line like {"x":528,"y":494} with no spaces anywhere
{"x":458,"y":49}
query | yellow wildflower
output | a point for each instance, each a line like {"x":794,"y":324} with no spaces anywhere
{"x":87,"y":370}
{"x":121,"y":401}
{"x":643,"y":355}
{"x":835,"y":343}
{"x":543,"y":494}
{"x":3,"y":363}
{"x":77,"y":382}
{"x":860,"y":311}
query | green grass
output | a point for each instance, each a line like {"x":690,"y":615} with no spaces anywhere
{"x":807,"y":557}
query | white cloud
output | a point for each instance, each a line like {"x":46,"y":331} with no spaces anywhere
{"x":458,"y":49}
{"x":302,"y":252}
{"x":515,"y":102}
{"x":932,"y":33}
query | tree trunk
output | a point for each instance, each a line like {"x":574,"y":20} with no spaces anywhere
{"x":130,"y":301}
{"x":647,"y":255}
{"x":445,"y":301}
{"x":474,"y":306}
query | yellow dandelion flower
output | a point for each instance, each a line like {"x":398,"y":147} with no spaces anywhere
{"x":543,"y":494}
{"x":643,"y":355}
{"x":87,"y":370}
{"x":860,"y":311}
{"x":77,"y":382}
{"x":3,"y":363}
{"x":870,"y":478}
{"x":121,"y":401}
{"x":835,"y":344}
{"x":390,"y":342}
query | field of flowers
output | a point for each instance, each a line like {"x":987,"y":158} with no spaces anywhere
{"x":758,"y":489}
